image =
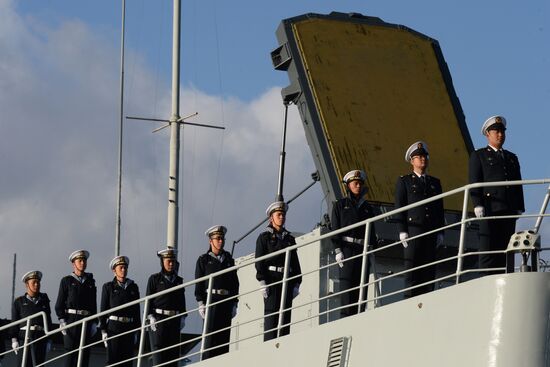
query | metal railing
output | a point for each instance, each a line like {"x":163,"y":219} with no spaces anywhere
{"x":26,"y":345}
{"x":367,"y":254}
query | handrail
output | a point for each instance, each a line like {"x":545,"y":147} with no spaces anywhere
{"x":368,"y":251}
{"x":27,"y":321}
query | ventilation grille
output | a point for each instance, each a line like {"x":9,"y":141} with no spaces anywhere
{"x":337,"y":352}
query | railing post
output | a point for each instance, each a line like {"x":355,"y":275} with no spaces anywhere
{"x":462,"y":234}
{"x":207,"y":311}
{"x":82,"y":342}
{"x":364,"y":263}
{"x":25,"y":345}
{"x":542,"y":210}
{"x":142,"y":334}
{"x":283,"y":292}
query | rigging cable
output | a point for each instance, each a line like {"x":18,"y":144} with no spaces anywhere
{"x":135,"y":165}
{"x":121,"y":130}
{"x":130,"y":207}
{"x":159,"y":149}
{"x":190,"y":195}
{"x":220,"y":84}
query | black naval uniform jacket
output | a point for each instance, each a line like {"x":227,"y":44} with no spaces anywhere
{"x":173,"y":301}
{"x":114,"y":294}
{"x":26,"y":306}
{"x":207,"y":264}
{"x":410,"y":189}
{"x":271,"y":241}
{"x":487,"y":166}
{"x":76,"y":295}
{"x":219,"y":316}
{"x":168,"y":332}
{"x":348,"y":211}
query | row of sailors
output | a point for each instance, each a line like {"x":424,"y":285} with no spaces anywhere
{"x":489,"y":164}
{"x":76,"y":298}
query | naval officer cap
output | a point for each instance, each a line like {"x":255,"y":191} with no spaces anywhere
{"x":493,"y":123}
{"x":79,"y":254}
{"x":354,"y":175}
{"x":119,"y":260}
{"x":216,"y":230}
{"x":34,"y":274}
{"x":417,"y":148}
{"x":167,"y":253}
{"x":278,"y":206}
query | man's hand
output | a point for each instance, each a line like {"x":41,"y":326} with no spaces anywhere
{"x":62,"y":323}
{"x":403,"y":236}
{"x":104,"y":337}
{"x":340,"y":257}
{"x":264,"y":289}
{"x":152,"y":322}
{"x":14,"y":345}
{"x":202,"y":310}
{"x":479,"y":211}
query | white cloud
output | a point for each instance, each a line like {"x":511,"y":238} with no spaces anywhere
{"x":58,"y":147}
{"x":58,"y":158}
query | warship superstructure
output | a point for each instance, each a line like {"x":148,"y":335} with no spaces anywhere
{"x":365,"y":89}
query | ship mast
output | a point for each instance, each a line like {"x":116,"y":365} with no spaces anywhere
{"x":120,"y":132}
{"x":173,"y":179}
{"x":174,"y":124}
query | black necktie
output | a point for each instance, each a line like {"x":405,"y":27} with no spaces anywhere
{"x":500,"y":154}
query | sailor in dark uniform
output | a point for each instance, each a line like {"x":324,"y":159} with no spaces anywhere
{"x":223,"y":286}
{"x":271,"y":270}
{"x":163,"y":311}
{"x":77,"y":300}
{"x":411,"y":188}
{"x":29,"y":304}
{"x":117,"y":292}
{"x":490,"y":164}
{"x":347,"y":211}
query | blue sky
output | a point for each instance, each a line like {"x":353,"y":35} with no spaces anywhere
{"x":59,"y":93}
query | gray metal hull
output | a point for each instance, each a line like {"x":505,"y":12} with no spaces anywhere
{"x":500,"y":320}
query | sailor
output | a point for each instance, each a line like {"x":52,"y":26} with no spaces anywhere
{"x":76,"y":300}
{"x":115,"y":293}
{"x":409,"y":189}
{"x":347,"y":211}
{"x":270,"y":272}
{"x":29,"y":304}
{"x":163,"y":311}
{"x":490,"y":164}
{"x":223,"y":287}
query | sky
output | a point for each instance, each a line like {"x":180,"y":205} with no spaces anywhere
{"x":59,"y":95}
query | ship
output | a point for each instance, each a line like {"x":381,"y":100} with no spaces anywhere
{"x":365,"y":89}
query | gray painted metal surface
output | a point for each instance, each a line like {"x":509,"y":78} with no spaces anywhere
{"x":490,"y":321}
{"x":289,"y":57}
{"x":499,"y":320}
